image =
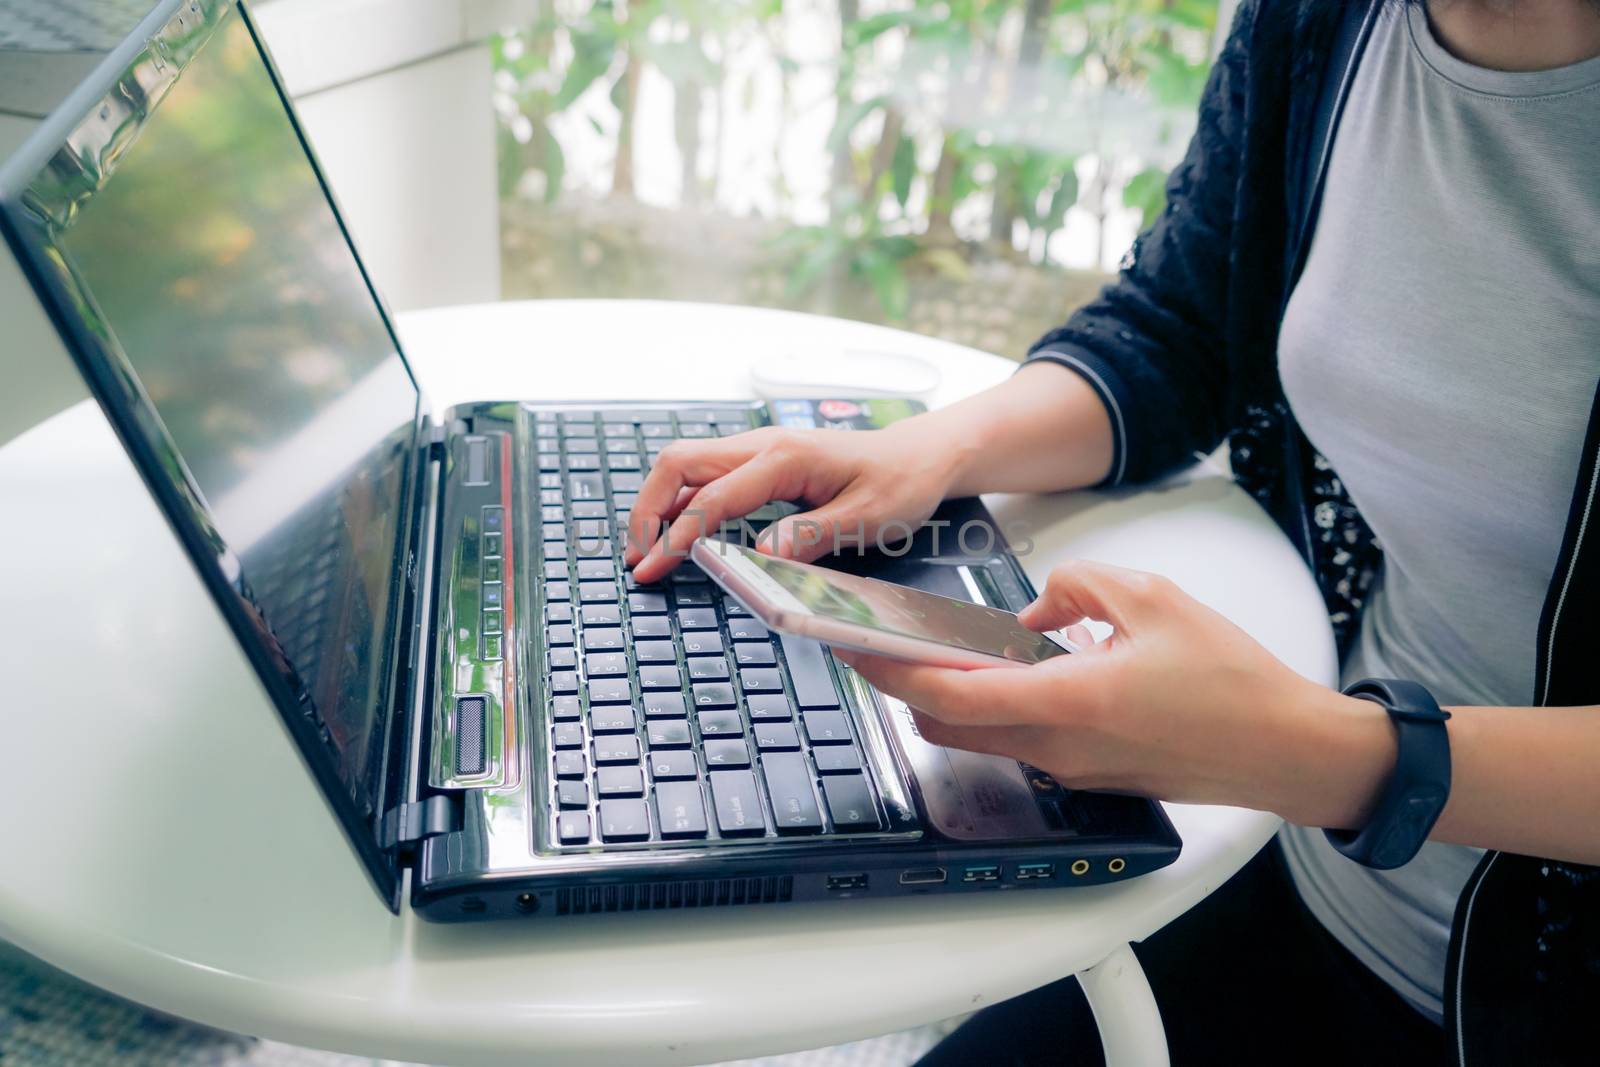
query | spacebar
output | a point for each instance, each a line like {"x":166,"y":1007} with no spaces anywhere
{"x":808,"y":669}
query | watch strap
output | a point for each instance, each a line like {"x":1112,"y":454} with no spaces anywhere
{"x":1419,"y":786}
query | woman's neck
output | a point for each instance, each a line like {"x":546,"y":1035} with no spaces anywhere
{"x":1517,"y":34}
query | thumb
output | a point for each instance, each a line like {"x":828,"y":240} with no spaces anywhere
{"x":1082,"y":590}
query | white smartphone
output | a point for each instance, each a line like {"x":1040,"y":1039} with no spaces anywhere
{"x":851,"y":611}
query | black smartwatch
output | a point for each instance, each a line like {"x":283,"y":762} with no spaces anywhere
{"x":1416,"y":792}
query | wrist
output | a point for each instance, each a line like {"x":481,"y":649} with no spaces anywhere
{"x":1344,"y":756}
{"x":945,"y":443}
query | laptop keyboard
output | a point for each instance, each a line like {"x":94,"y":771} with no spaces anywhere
{"x":672,"y":714}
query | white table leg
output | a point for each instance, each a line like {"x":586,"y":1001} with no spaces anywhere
{"x":1125,"y":1011}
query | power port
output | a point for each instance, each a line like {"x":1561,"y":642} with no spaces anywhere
{"x":923,"y":876}
{"x":1033,"y":872}
{"x":839,"y":883}
{"x":1117,"y":866}
{"x":1080,"y":867}
{"x":527,"y":903}
{"x":986,"y":873}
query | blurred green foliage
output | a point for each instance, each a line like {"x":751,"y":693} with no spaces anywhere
{"x":960,"y":127}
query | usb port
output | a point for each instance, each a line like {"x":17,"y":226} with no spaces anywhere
{"x":1029,"y":872}
{"x":989,"y":873}
{"x":838,"y":883}
{"x":922,"y":876}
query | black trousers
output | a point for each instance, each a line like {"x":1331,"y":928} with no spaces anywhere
{"x":1248,"y":976}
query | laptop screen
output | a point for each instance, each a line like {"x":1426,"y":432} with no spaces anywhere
{"x":219,"y":269}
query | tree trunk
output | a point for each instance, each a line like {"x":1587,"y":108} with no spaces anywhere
{"x":883,"y":153}
{"x":1019,"y":96}
{"x":622,"y":168}
{"x":843,"y":176}
{"x":941,"y":193}
{"x":686,"y":128}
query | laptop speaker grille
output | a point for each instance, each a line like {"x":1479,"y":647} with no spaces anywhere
{"x":652,"y":896}
{"x":470,"y":715}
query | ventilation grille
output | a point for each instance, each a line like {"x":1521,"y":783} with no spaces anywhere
{"x":650,"y":896}
{"x":470,"y":713}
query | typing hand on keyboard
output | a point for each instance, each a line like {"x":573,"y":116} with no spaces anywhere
{"x":856,"y":483}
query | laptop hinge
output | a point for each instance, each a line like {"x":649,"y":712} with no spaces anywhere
{"x":406,"y":825}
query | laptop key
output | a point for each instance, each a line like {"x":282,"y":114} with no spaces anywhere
{"x":557,"y":591}
{"x":808,"y":669}
{"x":733,"y":794}
{"x":616,"y":748}
{"x":750,"y":654}
{"x":761,"y":680}
{"x":794,"y":801}
{"x":668,"y":765}
{"x":615,"y":719}
{"x":610,"y":691}
{"x":747,"y":630}
{"x":622,"y":461}
{"x":624,"y":820}
{"x":582,"y":462}
{"x":655,"y":652}
{"x":694,"y":429}
{"x":573,"y":827}
{"x":836,"y":759}
{"x":702,"y":644}
{"x":586,"y":486}
{"x":566,"y":709}
{"x":680,"y":809}
{"x":660,"y":677}
{"x":562,"y":658}
{"x":697,"y":619}
{"x":558,"y":635}
{"x":850,"y":802}
{"x":619,"y":782}
{"x":590,"y":570}
{"x":776,"y":737}
{"x":826,"y":727}
{"x":647,"y":603}
{"x":663,"y":705}
{"x":726,"y":755}
{"x":667,"y":733}
{"x":568,"y":735}
{"x":626,"y":482}
{"x":651,"y":626}
{"x":555,"y":613}
{"x":695,"y":596}
{"x":564,"y":682}
{"x":713,"y":695}
{"x":596,"y":592}
{"x":771,"y":707}
{"x":571,"y":764}
{"x":724,"y":723}
{"x":581,"y":445}
{"x":602,"y":639}
{"x":708,"y":668}
{"x":604,"y":664}
{"x":601,"y":615}
{"x":554,"y":571}
{"x":572,"y":794}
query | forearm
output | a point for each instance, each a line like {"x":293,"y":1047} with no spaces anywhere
{"x":1522,"y":779}
{"x":1042,"y":430}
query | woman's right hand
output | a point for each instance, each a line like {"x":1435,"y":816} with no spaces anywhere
{"x":856,"y":483}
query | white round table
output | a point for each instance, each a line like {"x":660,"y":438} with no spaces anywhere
{"x":173,"y":850}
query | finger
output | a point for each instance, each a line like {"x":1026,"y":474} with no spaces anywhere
{"x":682,"y":464}
{"x":812,"y":534}
{"x":1083,"y":637}
{"x":993,"y":740}
{"x":952,"y":696}
{"x":737,"y":493}
{"x":1083,"y":589}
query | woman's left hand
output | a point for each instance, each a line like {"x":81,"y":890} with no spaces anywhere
{"x":1178,"y":703}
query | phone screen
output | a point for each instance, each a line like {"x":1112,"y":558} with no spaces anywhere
{"x":895,"y":609}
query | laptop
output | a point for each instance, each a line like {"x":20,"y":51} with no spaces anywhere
{"x":496,"y":713}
